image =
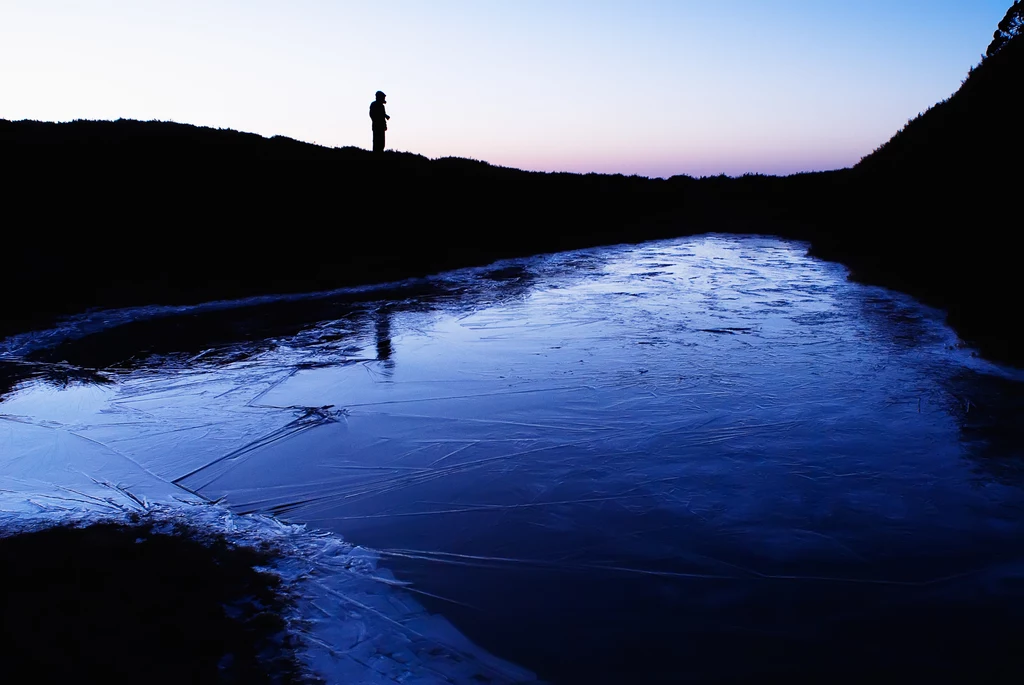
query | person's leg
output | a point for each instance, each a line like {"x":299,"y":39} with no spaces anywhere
{"x":378,"y":141}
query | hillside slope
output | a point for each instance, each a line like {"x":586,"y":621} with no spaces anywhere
{"x":971,"y":135}
{"x":127,"y":212}
{"x":932,"y":211}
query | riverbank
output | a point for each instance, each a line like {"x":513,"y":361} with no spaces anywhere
{"x":103,"y":553}
{"x":129,"y":602}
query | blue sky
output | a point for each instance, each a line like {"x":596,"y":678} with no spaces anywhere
{"x":649,"y":86}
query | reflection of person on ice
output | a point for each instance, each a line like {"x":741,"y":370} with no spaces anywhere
{"x":380,"y":121}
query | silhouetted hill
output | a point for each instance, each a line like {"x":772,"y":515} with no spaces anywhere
{"x":932,"y":210}
{"x":126,"y":212}
{"x":967,"y":135}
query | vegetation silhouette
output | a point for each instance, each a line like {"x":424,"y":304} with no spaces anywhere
{"x":114,"y":213}
{"x":1011,"y":26}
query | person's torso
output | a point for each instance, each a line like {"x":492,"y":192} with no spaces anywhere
{"x":377,"y":114}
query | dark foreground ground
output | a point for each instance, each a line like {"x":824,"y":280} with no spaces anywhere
{"x":126,"y":604}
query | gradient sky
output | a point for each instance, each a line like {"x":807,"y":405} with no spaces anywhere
{"x":653,"y":87}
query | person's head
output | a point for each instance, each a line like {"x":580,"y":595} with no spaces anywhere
{"x":380,"y":96}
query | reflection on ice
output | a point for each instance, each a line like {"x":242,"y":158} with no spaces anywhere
{"x":718,"y":441}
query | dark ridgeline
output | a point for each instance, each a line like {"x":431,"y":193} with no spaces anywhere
{"x":128,"y":212}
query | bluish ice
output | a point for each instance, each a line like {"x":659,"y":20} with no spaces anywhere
{"x":705,"y":458}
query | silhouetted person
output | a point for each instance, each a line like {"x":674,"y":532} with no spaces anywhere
{"x":380,"y":121}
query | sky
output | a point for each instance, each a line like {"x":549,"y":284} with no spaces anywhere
{"x":648,"y":87}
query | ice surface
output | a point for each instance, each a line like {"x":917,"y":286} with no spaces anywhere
{"x":355,"y":623}
{"x":717,"y":441}
{"x":356,"y":626}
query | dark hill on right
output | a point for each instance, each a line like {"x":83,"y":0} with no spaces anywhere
{"x":971,"y":135}
{"x":936,"y":210}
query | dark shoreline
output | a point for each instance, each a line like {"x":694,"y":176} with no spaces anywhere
{"x":253,"y":238}
{"x":128,"y":603}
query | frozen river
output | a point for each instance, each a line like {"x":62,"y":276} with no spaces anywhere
{"x":706,"y":458}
